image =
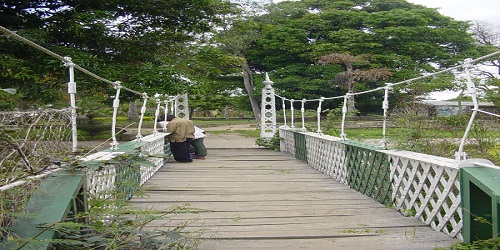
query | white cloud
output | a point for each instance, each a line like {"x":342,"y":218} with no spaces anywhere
{"x":467,"y":10}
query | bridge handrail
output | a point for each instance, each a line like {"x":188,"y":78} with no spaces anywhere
{"x":268,"y":121}
{"x":424,"y":186}
{"x":103,"y":181}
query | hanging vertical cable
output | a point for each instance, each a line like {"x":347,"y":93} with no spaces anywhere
{"x":72,"y":92}
{"x":143,"y":111}
{"x":157,"y":112}
{"x":116,"y":105}
{"x":471,"y":88}
{"x":343,"y":135}
{"x":318,"y":113}
{"x":385,"y":107}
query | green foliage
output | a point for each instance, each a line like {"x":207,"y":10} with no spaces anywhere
{"x":407,"y":39}
{"x":271,"y":143}
{"x":493,"y":243}
{"x":493,"y":93}
{"x":438,"y":136}
{"x":145,"y":51}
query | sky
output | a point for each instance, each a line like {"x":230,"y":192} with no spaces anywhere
{"x":467,"y":10}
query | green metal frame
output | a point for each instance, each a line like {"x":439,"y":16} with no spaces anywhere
{"x":480,"y":194}
{"x":46,"y":207}
{"x":368,"y":171}
{"x":300,"y":147}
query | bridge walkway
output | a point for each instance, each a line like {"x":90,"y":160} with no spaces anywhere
{"x":255,"y":198}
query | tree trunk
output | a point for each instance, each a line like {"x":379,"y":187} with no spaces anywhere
{"x":249,"y":86}
{"x":132,"y":114}
{"x":351,"y":107}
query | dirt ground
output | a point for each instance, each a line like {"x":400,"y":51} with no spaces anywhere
{"x":213,"y":140}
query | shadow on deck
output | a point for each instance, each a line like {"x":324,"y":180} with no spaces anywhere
{"x":256,"y":198}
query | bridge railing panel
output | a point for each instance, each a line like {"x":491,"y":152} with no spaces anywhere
{"x":327,"y":156}
{"x":368,"y":171}
{"x":427,"y":187}
{"x":112,"y":176}
{"x":288,"y":144}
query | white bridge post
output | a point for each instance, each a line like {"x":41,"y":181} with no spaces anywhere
{"x":181,"y":106}
{"x":268,"y":110}
{"x":72,"y":92}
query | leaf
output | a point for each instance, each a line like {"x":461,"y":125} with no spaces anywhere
{"x":174,"y":235}
{"x":143,"y":163}
{"x":10,"y":91}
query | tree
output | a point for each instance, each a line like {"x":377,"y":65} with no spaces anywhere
{"x":487,"y":36}
{"x":115,"y":39}
{"x":408,"y":39}
{"x":235,"y":37}
{"x":348,"y":78}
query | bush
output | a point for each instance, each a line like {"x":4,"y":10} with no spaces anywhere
{"x":272,"y":143}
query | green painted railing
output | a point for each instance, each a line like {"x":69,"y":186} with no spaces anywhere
{"x":300,"y":147}
{"x":59,"y":197}
{"x":480,"y":202}
{"x":368,"y":171}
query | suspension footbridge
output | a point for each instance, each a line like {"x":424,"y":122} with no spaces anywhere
{"x":320,"y":191}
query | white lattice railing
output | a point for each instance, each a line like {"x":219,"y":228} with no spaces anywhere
{"x":423,"y":186}
{"x":428,"y":187}
{"x":103,"y":181}
{"x":327,"y":155}
{"x":288,"y":143}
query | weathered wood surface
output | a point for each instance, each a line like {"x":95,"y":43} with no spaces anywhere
{"x":255,"y":198}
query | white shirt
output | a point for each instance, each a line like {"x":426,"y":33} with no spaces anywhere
{"x":199,"y":133}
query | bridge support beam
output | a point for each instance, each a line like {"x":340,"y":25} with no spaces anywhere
{"x":268,"y":110}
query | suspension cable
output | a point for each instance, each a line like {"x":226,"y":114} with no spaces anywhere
{"x":11,"y":34}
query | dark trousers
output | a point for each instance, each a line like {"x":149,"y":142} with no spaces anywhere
{"x":180,"y":150}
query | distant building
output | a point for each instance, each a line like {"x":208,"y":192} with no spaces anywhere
{"x":449,"y":108}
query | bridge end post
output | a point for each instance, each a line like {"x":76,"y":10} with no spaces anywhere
{"x":480,"y":196}
{"x":268,"y":110}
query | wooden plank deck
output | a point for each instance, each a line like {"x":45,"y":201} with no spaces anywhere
{"x":261,"y":199}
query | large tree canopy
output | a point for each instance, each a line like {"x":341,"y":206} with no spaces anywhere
{"x":408,"y":39}
{"x":137,"y":42}
{"x":170,"y":46}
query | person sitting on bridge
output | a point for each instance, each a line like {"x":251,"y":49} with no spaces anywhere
{"x":198,"y":146}
{"x":200,"y":151}
{"x":180,"y":137}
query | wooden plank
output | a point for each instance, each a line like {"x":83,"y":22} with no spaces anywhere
{"x":262,"y":199}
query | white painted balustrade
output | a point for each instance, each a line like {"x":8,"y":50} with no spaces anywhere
{"x":424,"y":186}
{"x":102,"y":182}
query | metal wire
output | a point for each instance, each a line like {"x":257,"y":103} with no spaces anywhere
{"x":11,"y":34}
